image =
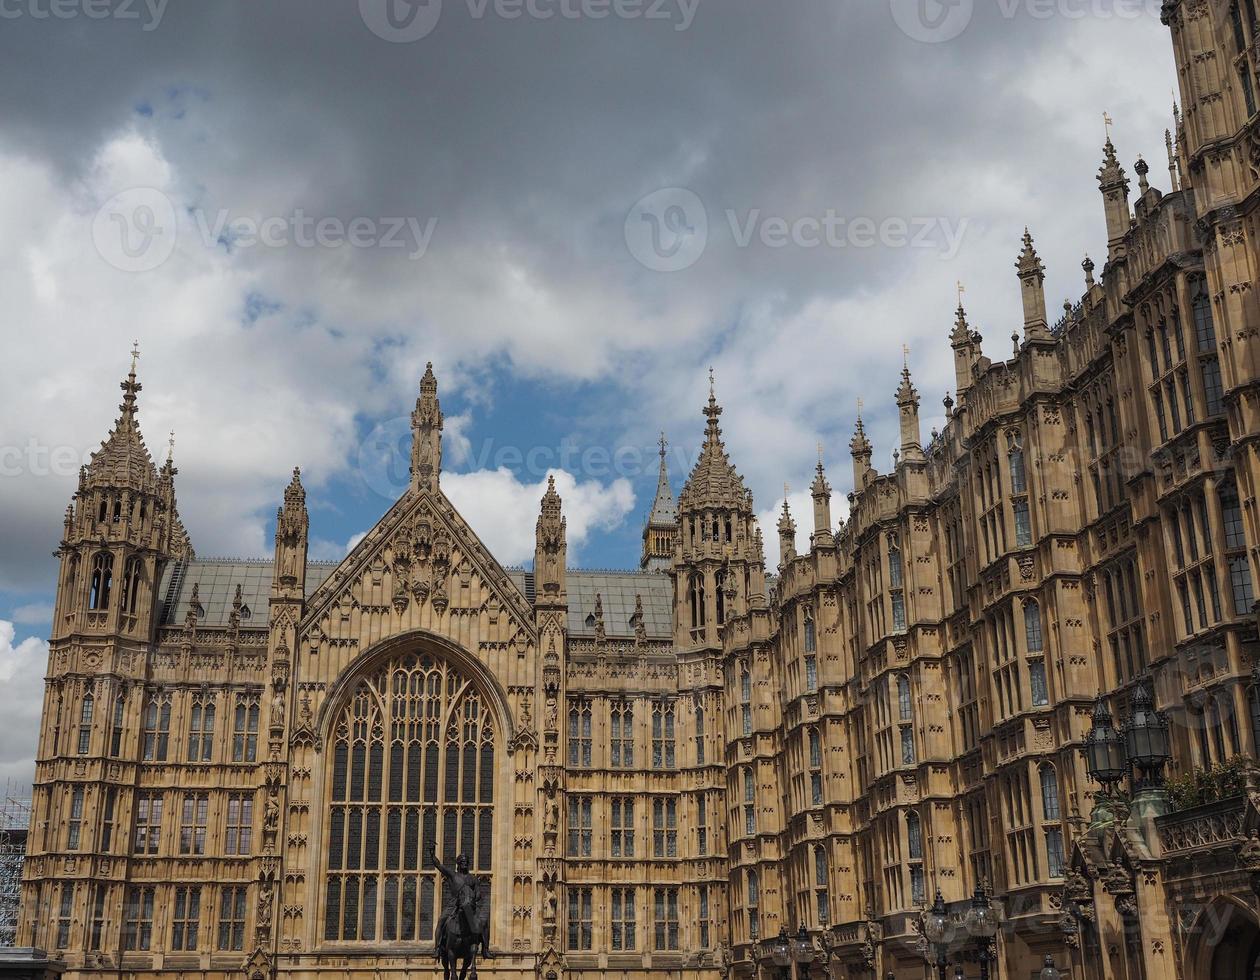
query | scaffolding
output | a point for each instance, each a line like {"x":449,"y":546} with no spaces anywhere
{"x":15,"y":819}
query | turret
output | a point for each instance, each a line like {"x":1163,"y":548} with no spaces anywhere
{"x":820,"y":490}
{"x":1114,"y":186}
{"x":550,"y":549}
{"x":966,"y":345}
{"x":292,"y":525}
{"x":1032,"y":277}
{"x":119,"y":533}
{"x":908,"y":410}
{"x":713,"y":565}
{"x":660,"y":534}
{"x":860,"y":449}
{"x":787,"y":533}
{"x":426,"y":435}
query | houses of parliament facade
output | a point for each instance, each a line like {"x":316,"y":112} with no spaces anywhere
{"x":242,"y":764}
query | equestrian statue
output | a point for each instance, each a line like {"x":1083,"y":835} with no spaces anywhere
{"x":463,"y":931}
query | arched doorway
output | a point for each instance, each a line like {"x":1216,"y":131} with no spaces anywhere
{"x":411,"y":762}
{"x":1226,"y":943}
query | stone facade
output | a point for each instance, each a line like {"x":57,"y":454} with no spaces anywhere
{"x":241,"y":764}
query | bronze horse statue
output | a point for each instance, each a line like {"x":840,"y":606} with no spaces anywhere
{"x":463,"y":931}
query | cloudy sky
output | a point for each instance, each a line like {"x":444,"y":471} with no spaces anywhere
{"x":572,"y":207}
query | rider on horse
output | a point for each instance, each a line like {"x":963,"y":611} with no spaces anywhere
{"x":462,"y":895}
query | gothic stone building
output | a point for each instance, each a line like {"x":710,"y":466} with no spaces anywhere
{"x":241,"y":764}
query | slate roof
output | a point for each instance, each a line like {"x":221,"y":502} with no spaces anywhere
{"x":216,"y":581}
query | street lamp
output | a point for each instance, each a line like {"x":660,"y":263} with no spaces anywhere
{"x":802,"y":951}
{"x":982,"y":923}
{"x":936,"y":930}
{"x":1105,"y":763}
{"x":781,"y":952}
{"x":1048,"y":972}
{"x":1146,"y":740}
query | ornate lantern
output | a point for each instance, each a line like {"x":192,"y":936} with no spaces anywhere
{"x":802,"y":947}
{"x":1048,"y":972}
{"x":1104,"y":749}
{"x":1146,"y":739}
{"x":781,"y":949}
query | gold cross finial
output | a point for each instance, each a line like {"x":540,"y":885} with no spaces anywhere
{"x":961,"y":289}
{"x":710,"y":380}
{"x":1107,"y":124}
{"x":820,"y":453}
{"x":135,"y":354}
{"x":170,"y":447}
{"x":662,"y":444}
{"x":860,"y":405}
{"x":905,"y":355}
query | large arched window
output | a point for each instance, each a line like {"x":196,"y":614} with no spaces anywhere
{"x":131,"y":585}
{"x":412,"y":764}
{"x":695,"y":599}
{"x":1032,"y":627}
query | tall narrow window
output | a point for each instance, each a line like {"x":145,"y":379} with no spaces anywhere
{"x":750,"y":803}
{"x":1019,"y":480}
{"x":1204,"y":328}
{"x":705,"y":923}
{"x":1037,"y":683}
{"x":815,"y":767}
{"x":116,"y":726}
{"x":1240,"y":582}
{"x":752,"y":902}
{"x":896,"y":588}
{"x":232,"y":918}
{"x":579,"y":732}
{"x":695,"y":600}
{"x":622,"y":718}
{"x":85,"y":723}
{"x":74,"y":826}
{"x":702,"y":825}
{"x":1032,"y":627}
{"x":239,"y":829}
{"x":102,"y":581}
{"x":700,"y":735}
{"x":622,"y":919}
{"x":905,"y":705}
{"x":193,"y":817}
{"x":822,"y":880}
{"x":1023,"y":524}
{"x":96,"y":934}
{"x":148,"y":822}
{"x":138,"y":919}
{"x":186,"y":918}
{"x":665,"y":906}
{"x":201,"y":728}
{"x":157,"y":727}
{"x":745,"y":700}
{"x":108,"y":808}
{"x":131,"y":585}
{"x":664,"y":827}
{"x":1049,"y":793}
{"x":622,"y":838}
{"x":245,"y":728}
{"x":663,"y":749}
{"x":581,"y":919}
{"x":65,"y":912}
{"x":580,"y":826}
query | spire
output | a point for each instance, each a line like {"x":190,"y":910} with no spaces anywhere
{"x":860,"y":449}
{"x":787,"y":532}
{"x":550,"y":547}
{"x":714,"y":481}
{"x":426,"y":429}
{"x":966,"y":345}
{"x":1114,"y":186}
{"x":661,"y":529}
{"x":1173,"y":182}
{"x":820,"y":490}
{"x":1032,"y":274}
{"x":908,"y":408}
{"x":292,"y":527}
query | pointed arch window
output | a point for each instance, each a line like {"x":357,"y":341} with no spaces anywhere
{"x":1050,"y":793}
{"x":750,"y":802}
{"x":579,"y":732}
{"x":719,"y":595}
{"x":905,"y":704}
{"x":622,"y":717}
{"x":700,"y":735}
{"x":86,"y":710}
{"x":695,"y":600}
{"x":745,"y":700}
{"x":1032,"y":627}
{"x":131,"y":585}
{"x":157,"y":727}
{"x":116,"y":725}
{"x":1015,"y":456}
{"x":752,"y":901}
{"x":412,"y":764}
{"x":102,"y":580}
{"x":201,"y":728}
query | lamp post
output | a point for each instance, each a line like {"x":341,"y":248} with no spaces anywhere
{"x":1048,"y":972}
{"x":936,"y":931}
{"x":1105,"y":763}
{"x":781,"y":953}
{"x":982,"y":923}
{"x":1146,"y":746}
{"x":802,"y":952}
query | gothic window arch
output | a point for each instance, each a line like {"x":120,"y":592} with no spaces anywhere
{"x":412,"y":763}
{"x":1032,"y":626}
{"x":695,"y":599}
{"x":905,"y":703}
{"x":85,"y":723}
{"x":102,"y":580}
{"x":719,"y":595}
{"x":131,"y":585}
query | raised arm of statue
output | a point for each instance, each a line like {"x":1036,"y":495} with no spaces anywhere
{"x":442,"y":869}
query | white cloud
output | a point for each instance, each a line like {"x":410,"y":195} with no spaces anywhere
{"x":502,"y":510}
{"x":33,"y":612}
{"x":22,"y":670}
